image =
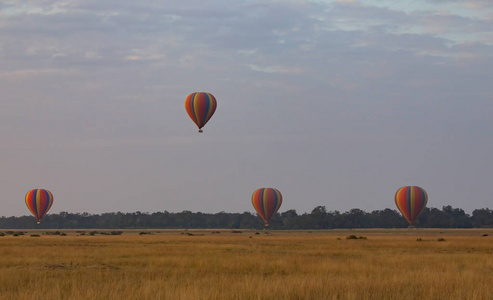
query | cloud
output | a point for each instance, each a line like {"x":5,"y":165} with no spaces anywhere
{"x":329,"y":86}
{"x":276,"y":69}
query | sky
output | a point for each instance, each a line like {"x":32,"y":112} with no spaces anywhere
{"x":334,"y":103}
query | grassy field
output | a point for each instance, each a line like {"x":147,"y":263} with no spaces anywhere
{"x":378,"y":264}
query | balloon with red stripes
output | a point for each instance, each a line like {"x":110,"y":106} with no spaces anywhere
{"x":266,"y":202}
{"x":200,"y":107}
{"x":39,"y":201}
{"x":411,"y":201}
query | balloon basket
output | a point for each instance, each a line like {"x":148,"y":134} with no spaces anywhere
{"x":39,"y":222}
{"x":200,"y":131}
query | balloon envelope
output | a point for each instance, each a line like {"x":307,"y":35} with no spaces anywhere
{"x":411,"y":201}
{"x":39,"y":202}
{"x":266,"y":202}
{"x":200,"y":107}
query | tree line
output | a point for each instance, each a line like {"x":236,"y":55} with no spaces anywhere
{"x":318,"y":218}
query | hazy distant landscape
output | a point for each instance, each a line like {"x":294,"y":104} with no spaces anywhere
{"x":318,"y":218}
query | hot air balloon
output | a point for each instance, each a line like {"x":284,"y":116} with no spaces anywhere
{"x":266,"y":202}
{"x":200,"y":107}
{"x":39,"y":202}
{"x":411,"y":201}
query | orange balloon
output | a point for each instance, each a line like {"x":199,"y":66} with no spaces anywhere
{"x":411,"y":201}
{"x":200,"y":107}
{"x":266,"y":202}
{"x":39,"y":201}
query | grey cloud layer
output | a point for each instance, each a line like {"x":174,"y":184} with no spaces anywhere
{"x":344,"y":95}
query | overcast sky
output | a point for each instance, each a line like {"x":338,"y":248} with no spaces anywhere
{"x":334,"y":103}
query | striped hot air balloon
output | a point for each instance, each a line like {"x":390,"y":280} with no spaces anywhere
{"x":266,"y":202}
{"x":39,"y":202}
{"x":411,"y":201}
{"x":200,"y":107}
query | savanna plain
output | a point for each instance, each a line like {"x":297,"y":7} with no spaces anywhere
{"x":225,"y":264}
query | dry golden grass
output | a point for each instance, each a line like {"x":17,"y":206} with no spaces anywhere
{"x":389,"y":264}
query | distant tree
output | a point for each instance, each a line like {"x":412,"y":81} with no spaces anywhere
{"x":289,"y":219}
{"x":356,"y":218}
{"x":318,"y":218}
{"x":482,"y":218}
{"x":387,"y":218}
